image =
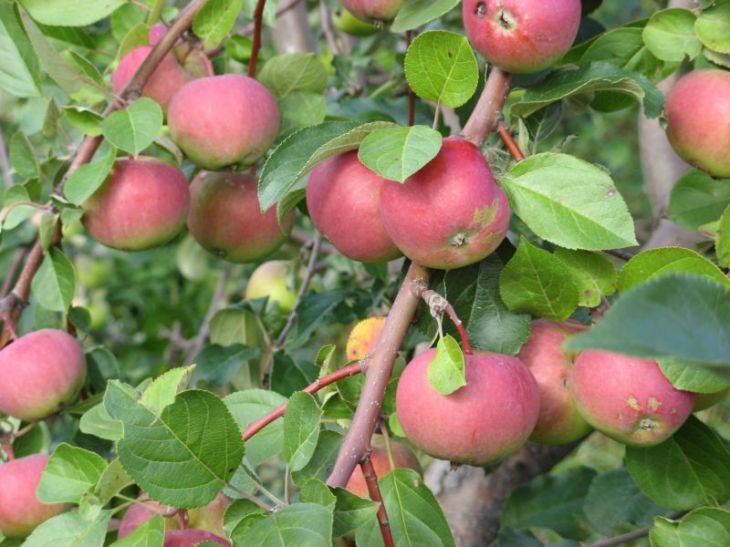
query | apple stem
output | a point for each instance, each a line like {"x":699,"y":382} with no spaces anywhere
{"x":438,"y":305}
{"x":258,"y":23}
{"x":489,"y":107}
{"x":371,"y":479}
{"x":509,"y":142}
{"x":182,"y":516}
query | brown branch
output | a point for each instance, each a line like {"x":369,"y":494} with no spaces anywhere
{"x":438,"y":305}
{"x":321,"y":383}
{"x":380,"y":367}
{"x":632,"y":536}
{"x":371,"y":479}
{"x":488,"y":109}
{"x":509,"y":142}
{"x":13,"y":270}
{"x":258,"y":23}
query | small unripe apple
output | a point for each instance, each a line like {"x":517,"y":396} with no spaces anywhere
{"x":449,"y":214}
{"x":142,"y":204}
{"x":627,"y":398}
{"x":403,"y":457}
{"x":273,"y":279}
{"x":363,"y":337}
{"x":343,"y":198}
{"x":191,"y":537}
{"x":479,"y":424}
{"x":20,"y":509}
{"x":226,"y":219}
{"x":92,"y":272}
{"x":559,"y":421}
{"x":698,"y":120}
{"x":374,"y":10}
{"x":41,"y":372}
{"x":165,"y":81}
{"x":521,"y":35}
{"x":222,"y":120}
{"x":349,"y":24}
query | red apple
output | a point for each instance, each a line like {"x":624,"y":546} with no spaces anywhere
{"x":698,"y":116}
{"x":403,"y":457}
{"x":142,"y":204}
{"x":559,"y":421}
{"x":481,"y":423}
{"x":226,"y":219}
{"x":273,"y":279}
{"x":627,"y":398}
{"x":373,"y":10}
{"x":449,"y":214}
{"x":20,"y":509}
{"x":222,"y":120}
{"x":191,"y":537}
{"x":40,"y":372}
{"x":521,"y":35}
{"x":343,"y":198}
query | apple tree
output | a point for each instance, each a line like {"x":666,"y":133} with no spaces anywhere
{"x":392,"y":272}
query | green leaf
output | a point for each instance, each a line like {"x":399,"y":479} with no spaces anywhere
{"x":19,"y":65}
{"x":13,"y":211}
{"x":657,"y":262}
{"x":352,"y":512}
{"x":446,"y":372}
{"x":301,"y":429}
{"x":54,"y":284}
{"x":693,"y":314}
{"x":569,"y":202}
{"x":83,"y":118}
{"x":22,"y":157}
{"x":440,"y":66}
{"x":551,"y":501}
{"x":70,"y":13}
{"x":299,"y":110}
{"x":537,"y":282}
{"x":70,"y":529}
{"x":712,"y":27}
{"x":70,"y":473}
{"x":698,"y":199}
{"x":238,"y":512}
{"x":134,"y":128}
{"x":218,"y":364}
{"x":164,"y":389}
{"x":150,"y":533}
{"x":88,"y":178}
{"x":294,"y":73}
{"x":196,"y":433}
{"x":300,"y":152}
{"x":302,"y":524}
{"x":97,"y":421}
{"x":690,"y":468}
{"x":217,"y":18}
{"x":624,"y":47}
{"x":584,"y":82}
{"x":689,"y":378}
{"x":247,"y":407}
{"x":593,"y":273}
{"x":396,"y":153}
{"x":722,"y":240}
{"x":323,"y":458}
{"x":112,"y":481}
{"x":703,"y":527}
{"x":416,"y":13}
{"x":316,"y":491}
{"x":670,"y":35}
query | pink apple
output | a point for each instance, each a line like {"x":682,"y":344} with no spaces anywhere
{"x":403,"y":457}
{"x":373,"y":10}
{"x":191,"y":537}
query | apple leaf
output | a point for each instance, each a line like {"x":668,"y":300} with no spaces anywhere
{"x":70,"y":13}
{"x":71,"y":472}
{"x":416,"y":13}
{"x":22,"y":157}
{"x":20,"y":73}
{"x":396,"y":153}
{"x":300,"y":524}
{"x":670,"y":35}
{"x":702,"y":527}
{"x":71,"y":528}
{"x":55,"y":283}
{"x":301,"y":429}
{"x":294,"y":73}
{"x":215,"y":20}
{"x":88,"y":178}
{"x":134,"y":128}
{"x":150,"y":533}
{"x":722,"y":240}
{"x":594,"y":274}
{"x":446,"y":371}
{"x":711,"y":27}
{"x":698,"y":199}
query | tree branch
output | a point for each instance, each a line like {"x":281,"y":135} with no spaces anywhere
{"x":509,"y":142}
{"x":488,"y":109}
{"x":258,"y":23}
{"x":371,"y":479}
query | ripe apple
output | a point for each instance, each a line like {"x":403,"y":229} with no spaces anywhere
{"x":481,"y":423}
{"x":343,"y":198}
{"x":142,"y":204}
{"x":41,"y":371}
{"x":627,"y":398}
{"x":225,"y":217}
{"x":20,"y":509}
{"x":697,"y":111}
{"x":449,"y":214}
{"x":559,"y":421}
{"x":403,"y":457}
{"x":222,"y":120}
{"x":374,"y":10}
{"x":521,"y":35}
{"x":191,"y":537}
{"x":273,"y":279}
{"x":349,"y":24}
{"x":363,"y":337}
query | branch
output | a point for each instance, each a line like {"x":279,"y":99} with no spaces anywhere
{"x":371,"y":479}
{"x":18,"y":259}
{"x":438,"y":305}
{"x":258,"y":23}
{"x":488,"y":109}
{"x":632,"y":536}
{"x":509,"y":142}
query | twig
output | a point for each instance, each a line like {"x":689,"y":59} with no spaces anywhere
{"x":631,"y":536}
{"x":196,"y":344}
{"x":509,"y":142}
{"x":258,"y":22}
{"x":329,"y":33}
{"x":13,"y":270}
{"x":438,"y":305}
{"x":488,"y":109}
{"x":311,"y":268}
{"x":371,"y":479}
{"x":621,"y":255}
{"x":5,"y":162}
{"x":250,"y":497}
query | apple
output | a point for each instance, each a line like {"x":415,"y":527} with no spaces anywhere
{"x":142,"y":204}
{"x":374,"y":10}
{"x":191,"y":537}
{"x":41,"y":372}
{"x":273,"y":279}
{"x":226,"y":219}
{"x":697,"y":112}
{"x":559,"y":421}
{"x":479,"y":424}
{"x":449,"y":214}
{"x":363,"y":337}
{"x":222,"y":120}
{"x":521,"y":36}
{"x":403,"y":457}
{"x":20,"y":509}
{"x":349,"y":24}
{"x":92,"y":272}
{"x":343,"y":198}
{"x":628,"y":399}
